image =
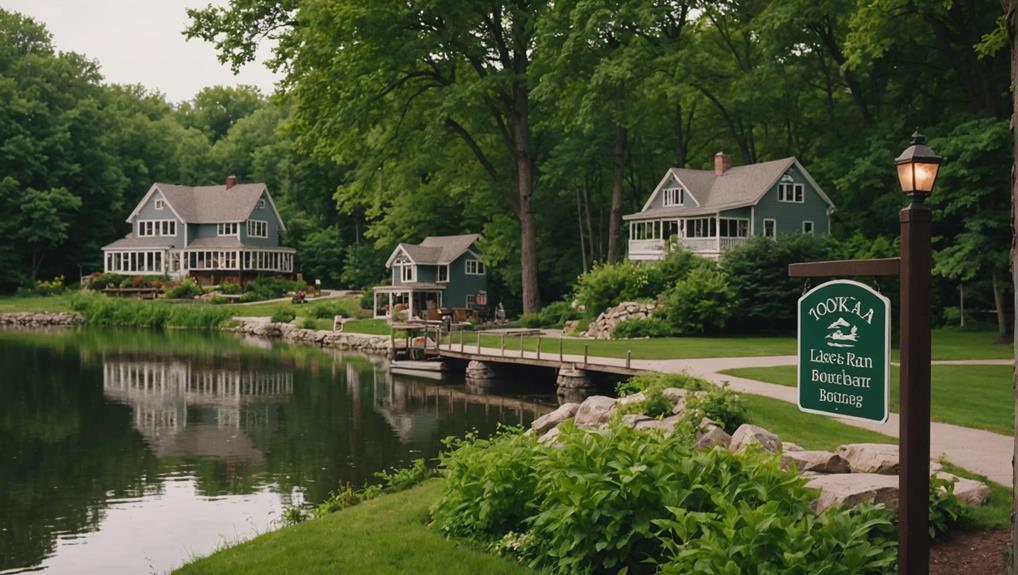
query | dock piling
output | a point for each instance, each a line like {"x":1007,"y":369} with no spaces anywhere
{"x":586,"y":348}
{"x":538,"y":347}
{"x":629,"y":358}
{"x":560,"y":349}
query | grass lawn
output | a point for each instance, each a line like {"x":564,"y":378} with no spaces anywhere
{"x":809,"y":430}
{"x":53,"y":303}
{"x":386,"y":535}
{"x":977,"y":396}
{"x":953,"y":343}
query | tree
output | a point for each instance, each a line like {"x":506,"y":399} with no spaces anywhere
{"x":214,"y":110}
{"x":43,"y":221}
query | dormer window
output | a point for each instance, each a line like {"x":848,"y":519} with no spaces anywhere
{"x":791,"y":193}
{"x":261,"y":204}
{"x":159,"y":204}
{"x":674,"y":196}
{"x":408,"y":273}
{"x":228,"y":229}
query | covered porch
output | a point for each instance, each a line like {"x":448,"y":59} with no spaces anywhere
{"x":707,"y":236}
{"x":408,"y":301}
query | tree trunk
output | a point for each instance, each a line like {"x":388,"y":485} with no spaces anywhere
{"x":998,"y":303}
{"x":579,"y":222}
{"x":524,"y":155}
{"x":590,"y":226}
{"x":1011,"y":20}
{"x":615,"y":218}
{"x":961,"y":305}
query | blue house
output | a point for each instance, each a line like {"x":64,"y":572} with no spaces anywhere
{"x":211,"y":233}
{"x":439,"y":272}
{"x":710,"y":211}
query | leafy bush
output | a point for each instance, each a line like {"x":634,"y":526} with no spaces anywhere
{"x":283,"y":315}
{"x":322,"y":311}
{"x":702,"y":301}
{"x":307,"y":323}
{"x":757,"y":270}
{"x":186,"y":289}
{"x":945,"y":508}
{"x":250,"y":296}
{"x":103,"y":281}
{"x":646,"y":381}
{"x":552,"y":315}
{"x":646,"y":327}
{"x":218,"y":300}
{"x":608,"y":285}
{"x":272,"y":287}
{"x":52,"y":287}
{"x":654,"y":404}
{"x":368,"y":299}
{"x":677,"y":264}
{"x":720,"y":405}
{"x":230,"y":288}
{"x":344,"y":307}
{"x":490,"y":485}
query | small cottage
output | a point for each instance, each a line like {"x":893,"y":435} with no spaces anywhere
{"x":710,"y":211}
{"x":440,"y":272}
{"x":211,"y":233}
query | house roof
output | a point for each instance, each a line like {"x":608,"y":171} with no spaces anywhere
{"x":435,"y":250}
{"x":211,"y":204}
{"x":738,"y":186}
{"x":131,"y":242}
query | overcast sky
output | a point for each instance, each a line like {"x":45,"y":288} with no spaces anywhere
{"x":140,"y":42}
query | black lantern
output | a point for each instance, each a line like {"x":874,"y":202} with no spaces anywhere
{"x":917,"y":168}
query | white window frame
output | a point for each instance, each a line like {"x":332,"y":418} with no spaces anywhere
{"x":741,"y":226}
{"x":774,"y":228}
{"x":471,"y":300}
{"x":158,"y":204}
{"x":791,"y":193}
{"x":438,"y":273}
{"x":157,"y":228}
{"x":228,"y":229}
{"x":408,"y":278}
{"x":674,"y":197}
{"x":252,"y":228}
{"x":478,"y":267}
{"x":812,"y":227}
{"x":261,"y":204}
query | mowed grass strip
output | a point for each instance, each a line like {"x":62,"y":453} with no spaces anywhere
{"x":978,"y":396}
{"x":383,"y":536}
{"x":811,"y":431}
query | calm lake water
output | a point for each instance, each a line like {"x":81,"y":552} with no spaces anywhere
{"x":131,"y":452}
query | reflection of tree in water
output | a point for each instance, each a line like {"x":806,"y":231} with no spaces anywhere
{"x":63,"y":452}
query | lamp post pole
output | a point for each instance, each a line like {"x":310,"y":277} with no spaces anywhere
{"x":914,"y":423}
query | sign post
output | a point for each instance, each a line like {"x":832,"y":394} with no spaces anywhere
{"x":844,"y":351}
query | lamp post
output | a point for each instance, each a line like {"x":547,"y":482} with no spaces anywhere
{"x":917,"y":172}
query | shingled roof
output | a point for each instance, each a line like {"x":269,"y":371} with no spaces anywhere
{"x":737,"y":186}
{"x":435,"y":250}
{"x":211,"y":204}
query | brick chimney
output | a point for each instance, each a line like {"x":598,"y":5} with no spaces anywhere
{"x":231,"y":181}
{"x":722,"y":162}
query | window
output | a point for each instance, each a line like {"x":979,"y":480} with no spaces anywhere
{"x":258,"y":228}
{"x":770,"y":228}
{"x":261,"y":204}
{"x":408,"y":273}
{"x":443,"y":274}
{"x":645,"y":230}
{"x":474,"y":268}
{"x":151,"y":228}
{"x":807,"y":227}
{"x":674,"y":196}
{"x":159,"y":204}
{"x":790,"y":193}
{"x":471,"y":300}
{"x":701,"y":227}
{"x":734,"y":227}
{"x":227,"y":229}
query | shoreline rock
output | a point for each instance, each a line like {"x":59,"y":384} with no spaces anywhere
{"x":40,"y":319}
{"x":364,"y":343}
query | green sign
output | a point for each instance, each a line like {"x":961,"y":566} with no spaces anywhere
{"x":844,"y":351}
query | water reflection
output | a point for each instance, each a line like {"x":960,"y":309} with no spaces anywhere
{"x":103,"y":434}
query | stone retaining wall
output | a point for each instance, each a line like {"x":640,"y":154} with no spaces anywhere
{"x":602,"y":327}
{"x":370,"y":344}
{"x":40,"y":319}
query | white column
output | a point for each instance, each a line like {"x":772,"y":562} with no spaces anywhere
{"x":717,"y":231}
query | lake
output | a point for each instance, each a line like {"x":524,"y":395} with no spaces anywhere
{"x":134,"y":451}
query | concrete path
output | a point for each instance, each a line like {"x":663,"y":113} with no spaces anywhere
{"x":983,"y":452}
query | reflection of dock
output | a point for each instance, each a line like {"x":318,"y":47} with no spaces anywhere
{"x":188,"y":411}
{"x":414,"y":408}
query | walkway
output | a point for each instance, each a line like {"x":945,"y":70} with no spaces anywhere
{"x":983,"y":452}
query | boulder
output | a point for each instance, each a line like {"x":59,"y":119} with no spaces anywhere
{"x":849,"y":489}
{"x":595,"y":411}
{"x":871,"y":457}
{"x":819,"y":461}
{"x":666,"y":425}
{"x":715,"y":436}
{"x":635,"y":398}
{"x":546,"y":422}
{"x":634,"y":419}
{"x":549,"y":438}
{"x":789,"y":446}
{"x":969,"y":491}
{"x":748,"y":434}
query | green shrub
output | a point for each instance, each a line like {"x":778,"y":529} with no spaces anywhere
{"x":646,"y":327}
{"x":250,"y":296}
{"x":52,"y":287}
{"x":272,"y":287}
{"x":646,"y":381}
{"x":99,"y":310}
{"x":945,"y":508}
{"x":489,"y":485}
{"x":368,"y":299}
{"x":608,"y":285}
{"x":552,"y":315}
{"x":186,"y":289}
{"x":322,"y":311}
{"x":701,"y":302}
{"x":230,"y":288}
{"x":654,"y":404}
{"x":677,"y":264}
{"x":218,"y":300}
{"x":307,"y":323}
{"x":720,"y":405}
{"x":103,"y":281}
{"x":283,"y":315}
{"x":758,"y":275}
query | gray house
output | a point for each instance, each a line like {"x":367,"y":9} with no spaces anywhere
{"x":708,"y":211}
{"x":441,"y":271}
{"x":210,"y":233}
